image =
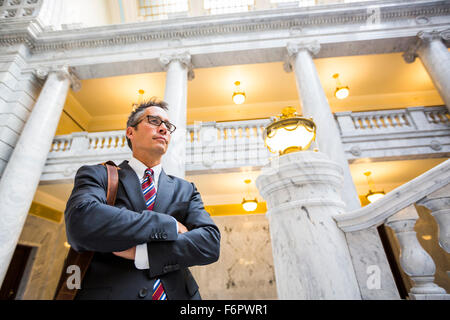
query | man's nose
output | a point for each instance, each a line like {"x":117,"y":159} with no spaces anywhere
{"x":162,"y":128}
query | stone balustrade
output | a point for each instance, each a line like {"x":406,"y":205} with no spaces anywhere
{"x":396,"y":209}
{"x":228,"y":146}
{"x":400,"y":134}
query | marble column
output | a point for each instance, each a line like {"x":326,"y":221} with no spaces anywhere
{"x":314,"y":104}
{"x":436,"y":59}
{"x":365,"y":246}
{"x":22,"y":173}
{"x":310,"y":253}
{"x":179,"y":71}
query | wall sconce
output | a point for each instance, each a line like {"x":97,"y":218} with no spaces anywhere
{"x":140,"y":99}
{"x":372,"y":196}
{"x":289,"y":133}
{"x":249,"y":205}
{"x":341,"y":91}
{"x":238,"y":94}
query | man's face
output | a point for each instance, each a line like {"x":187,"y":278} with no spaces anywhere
{"x":148,"y":138}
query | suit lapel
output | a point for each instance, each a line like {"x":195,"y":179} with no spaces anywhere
{"x":164,"y":193}
{"x":132,"y":187}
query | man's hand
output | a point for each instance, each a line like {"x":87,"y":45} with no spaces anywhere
{"x":127,"y":254}
{"x":131,"y":253}
{"x":181,"y":228}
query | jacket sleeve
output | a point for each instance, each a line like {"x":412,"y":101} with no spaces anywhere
{"x":93,"y":225}
{"x":199,"y":246}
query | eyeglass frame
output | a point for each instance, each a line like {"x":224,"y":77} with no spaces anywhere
{"x":161,"y":121}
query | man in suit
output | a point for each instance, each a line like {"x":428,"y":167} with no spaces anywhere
{"x":156,"y":230}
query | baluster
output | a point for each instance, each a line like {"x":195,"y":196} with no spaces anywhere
{"x":229,"y":146}
{"x":362,"y":122}
{"x":56,"y":145}
{"x":415,"y":261}
{"x":377,"y":121}
{"x":441,"y":116}
{"x":430,"y":117}
{"x":391,"y":120}
{"x":189,"y":145}
{"x":253,"y":144}
{"x":246,"y":143}
{"x":240,"y":144}
{"x":439,"y":204}
{"x":124,"y":143}
{"x":198,"y":143}
{"x":92,"y":143}
{"x":220,"y":151}
{"x":263,"y":152}
{"x":356,"y":122}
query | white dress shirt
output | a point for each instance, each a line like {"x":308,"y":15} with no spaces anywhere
{"x":141,"y":257}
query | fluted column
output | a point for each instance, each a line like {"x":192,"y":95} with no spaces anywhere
{"x":22,"y":173}
{"x":436,"y":59}
{"x":310,"y":253}
{"x":439,"y":204}
{"x":415,"y":261}
{"x":179,"y":70}
{"x":314,"y":104}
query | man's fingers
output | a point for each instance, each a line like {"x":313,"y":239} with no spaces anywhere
{"x":181,"y":228}
{"x":127,"y":254}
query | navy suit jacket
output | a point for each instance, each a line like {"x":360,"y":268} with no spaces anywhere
{"x":92,"y":225}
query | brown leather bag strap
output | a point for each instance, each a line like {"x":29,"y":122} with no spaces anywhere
{"x":113,"y":182}
{"x":83,"y":259}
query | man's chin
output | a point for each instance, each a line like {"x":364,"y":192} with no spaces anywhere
{"x":161,"y":150}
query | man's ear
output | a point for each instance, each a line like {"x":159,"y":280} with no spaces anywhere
{"x":129,"y":132}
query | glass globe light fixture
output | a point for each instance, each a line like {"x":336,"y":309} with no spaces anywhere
{"x":289,"y":133}
{"x":140,"y":99}
{"x":249,"y":205}
{"x":341,"y":91}
{"x":238,"y":94}
{"x":372,"y":196}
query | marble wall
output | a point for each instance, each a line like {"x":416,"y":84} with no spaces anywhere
{"x":47,"y":240}
{"x":245,"y":267}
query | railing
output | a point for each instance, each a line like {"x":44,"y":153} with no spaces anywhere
{"x":396,"y":210}
{"x":388,"y":134}
{"x":226,"y":145}
{"x":222,"y":146}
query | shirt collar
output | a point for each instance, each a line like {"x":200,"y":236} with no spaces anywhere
{"x":139,"y":168}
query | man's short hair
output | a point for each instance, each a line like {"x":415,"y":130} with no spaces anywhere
{"x":136,"y":114}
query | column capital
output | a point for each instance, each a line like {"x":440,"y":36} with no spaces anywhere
{"x":293,"y":48}
{"x":183,"y":57}
{"x":428,"y":36}
{"x":424,"y":38}
{"x":62,"y":72}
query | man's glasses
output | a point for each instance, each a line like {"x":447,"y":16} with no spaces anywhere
{"x":156,"y":121}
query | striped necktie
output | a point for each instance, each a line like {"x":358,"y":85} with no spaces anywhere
{"x":148,"y":188}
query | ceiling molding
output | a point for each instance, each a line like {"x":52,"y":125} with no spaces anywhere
{"x":294,"y":20}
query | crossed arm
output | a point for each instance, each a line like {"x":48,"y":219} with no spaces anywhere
{"x":130,"y":254}
{"x":92,"y":225}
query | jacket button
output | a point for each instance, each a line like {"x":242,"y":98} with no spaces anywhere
{"x":164,"y":236}
{"x":143,"y":292}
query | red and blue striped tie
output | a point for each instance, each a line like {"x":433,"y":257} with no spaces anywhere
{"x":148,"y":188}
